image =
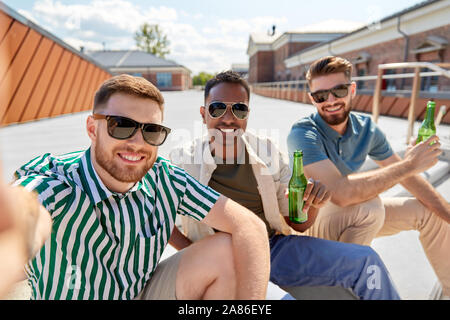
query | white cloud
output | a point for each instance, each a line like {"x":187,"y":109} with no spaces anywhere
{"x":113,"y":22}
{"x":77,"y":43}
{"x":28,"y":15}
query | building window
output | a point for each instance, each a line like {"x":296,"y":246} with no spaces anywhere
{"x":164,"y":79}
{"x":389,"y":84}
{"x":361,"y":72}
{"x":300,"y":85}
{"x":429,"y":83}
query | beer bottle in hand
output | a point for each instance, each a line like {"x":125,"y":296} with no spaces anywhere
{"x":427,"y":129}
{"x":297,"y":186}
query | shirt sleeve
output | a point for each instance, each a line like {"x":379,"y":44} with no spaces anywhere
{"x":308,"y":140}
{"x":197,"y":199}
{"x":380,"y":147}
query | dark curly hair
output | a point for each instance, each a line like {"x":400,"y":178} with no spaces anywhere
{"x":227,"y":77}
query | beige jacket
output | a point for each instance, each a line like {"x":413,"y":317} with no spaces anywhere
{"x":269,"y":166}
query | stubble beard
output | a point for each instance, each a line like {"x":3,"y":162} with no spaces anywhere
{"x":334,"y":120}
{"x":122,"y":173}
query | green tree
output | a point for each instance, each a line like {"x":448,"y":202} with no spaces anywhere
{"x":201,"y":78}
{"x":151,"y":39}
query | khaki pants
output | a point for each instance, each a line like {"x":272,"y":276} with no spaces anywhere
{"x":384,"y":217}
{"x":162,"y":285}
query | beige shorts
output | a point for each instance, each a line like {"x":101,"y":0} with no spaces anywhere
{"x":162,"y":285}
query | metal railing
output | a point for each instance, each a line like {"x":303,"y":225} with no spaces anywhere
{"x":438,"y":70}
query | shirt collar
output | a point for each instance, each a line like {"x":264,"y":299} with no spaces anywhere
{"x":94,"y":186}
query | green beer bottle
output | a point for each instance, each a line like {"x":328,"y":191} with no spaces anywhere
{"x":427,"y":128}
{"x":297,"y":186}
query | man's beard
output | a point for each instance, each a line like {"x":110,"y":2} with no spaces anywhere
{"x":124,"y":173}
{"x":337,"y":119}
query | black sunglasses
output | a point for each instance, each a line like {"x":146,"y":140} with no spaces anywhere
{"x":124,"y":128}
{"x":217,"y":109}
{"x":339,"y":91}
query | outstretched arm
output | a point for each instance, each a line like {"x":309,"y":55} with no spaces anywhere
{"x":24,"y":227}
{"x":359,"y":187}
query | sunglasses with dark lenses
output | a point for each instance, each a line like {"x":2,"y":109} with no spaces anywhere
{"x":124,"y":128}
{"x":217,"y":109}
{"x":339,"y":91}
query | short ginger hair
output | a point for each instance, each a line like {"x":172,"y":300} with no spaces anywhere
{"x":127,"y":84}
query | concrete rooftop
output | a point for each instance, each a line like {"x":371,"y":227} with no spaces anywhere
{"x":402,"y":253}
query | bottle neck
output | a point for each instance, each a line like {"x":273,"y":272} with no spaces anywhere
{"x":429,"y":117}
{"x":298,"y":166}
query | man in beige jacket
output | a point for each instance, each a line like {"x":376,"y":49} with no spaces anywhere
{"x":252,"y":171}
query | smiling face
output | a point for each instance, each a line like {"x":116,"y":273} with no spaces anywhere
{"x":334,"y":111}
{"x":121,"y":163}
{"x":225,"y":130}
{"x":229,"y":93}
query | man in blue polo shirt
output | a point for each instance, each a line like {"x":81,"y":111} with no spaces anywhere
{"x":335,"y":144}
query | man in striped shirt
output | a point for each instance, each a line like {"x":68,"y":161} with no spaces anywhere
{"x":113,"y":208}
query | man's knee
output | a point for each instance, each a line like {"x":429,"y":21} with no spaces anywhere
{"x":367,"y":261}
{"x":370,"y":255}
{"x":218,"y":250}
{"x":204,"y":263}
{"x":372,"y":213}
{"x":223,"y":251}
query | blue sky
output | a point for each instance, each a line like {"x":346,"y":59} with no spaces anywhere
{"x":206,"y":35}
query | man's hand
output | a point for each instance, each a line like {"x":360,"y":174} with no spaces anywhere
{"x":24,"y":227}
{"x":27,"y":218}
{"x":316,"y":195}
{"x":423,"y":156}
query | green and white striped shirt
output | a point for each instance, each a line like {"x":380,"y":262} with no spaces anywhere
{"x":105,"y":245}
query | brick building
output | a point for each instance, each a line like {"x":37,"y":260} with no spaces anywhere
{"x":167,"y":75}
{"x":268,"y":52}
{"x":418,"y":33}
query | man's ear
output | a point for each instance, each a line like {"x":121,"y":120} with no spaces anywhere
{"x":353,"y":88}
{"x":310,"y":98}
{"x":202,"y":113}
{"x":91,"y":128}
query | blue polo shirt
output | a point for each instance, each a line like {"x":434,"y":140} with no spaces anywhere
{"x":348,"y":152}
